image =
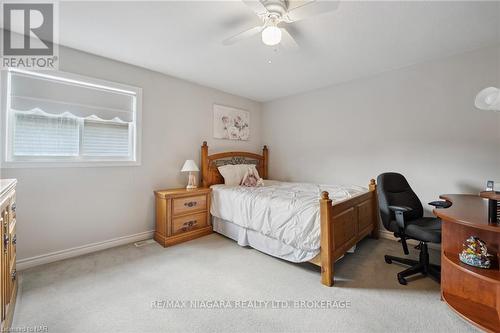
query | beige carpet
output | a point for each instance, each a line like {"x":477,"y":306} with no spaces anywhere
{"x":122,"y":289}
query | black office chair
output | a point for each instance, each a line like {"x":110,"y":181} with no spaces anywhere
{"x":402,"y":213}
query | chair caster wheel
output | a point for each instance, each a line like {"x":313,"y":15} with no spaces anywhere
{"x":387,"y":260}
{"x":402,"y":280}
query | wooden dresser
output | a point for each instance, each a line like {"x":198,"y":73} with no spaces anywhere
{"x":182,"y":215}
{"x":8,"y":274}
{"x":474,"y":293}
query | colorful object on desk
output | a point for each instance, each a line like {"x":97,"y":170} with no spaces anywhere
{"x":475,"y":253}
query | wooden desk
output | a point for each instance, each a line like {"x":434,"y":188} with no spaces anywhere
{"x":474,"y":293}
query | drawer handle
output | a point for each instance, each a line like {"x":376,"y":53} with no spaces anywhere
{"x":13,"y":275}
{"x":190,"y":204}
{"x":5,"y":242}
{"x":14,"y":239}
{"x":13,"y":207}
{"x":189,"y":225}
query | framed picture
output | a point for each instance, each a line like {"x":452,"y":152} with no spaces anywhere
{"x":231,"y":123}
{"x":490,"y":185}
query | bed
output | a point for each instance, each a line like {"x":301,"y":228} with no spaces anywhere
{"x":346,"y":214}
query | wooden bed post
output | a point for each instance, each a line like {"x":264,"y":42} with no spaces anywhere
{"x":265,"y":154}
{"x":326,"y":240}
{"x":373,"y":189}
{"x":204,"y":166}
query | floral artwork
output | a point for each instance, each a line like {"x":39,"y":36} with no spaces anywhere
{"x":231,"y":123}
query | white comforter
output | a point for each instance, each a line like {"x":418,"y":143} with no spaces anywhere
{"x":288,"y":212}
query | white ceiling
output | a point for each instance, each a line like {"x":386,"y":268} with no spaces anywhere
{"x":183,"y":39}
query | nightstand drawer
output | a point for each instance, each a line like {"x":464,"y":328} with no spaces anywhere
{"x":188,"y":223}
{"x":182,"y":215}
{"x":189,"y":204}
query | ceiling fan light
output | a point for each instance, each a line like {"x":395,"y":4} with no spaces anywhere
{"x":271,"y":35}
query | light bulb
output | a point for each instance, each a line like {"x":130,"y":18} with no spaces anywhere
{"x":271,"y":35}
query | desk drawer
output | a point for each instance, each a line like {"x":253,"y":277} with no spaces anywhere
{"x":189,"y":204}
{"x":188,"y":223}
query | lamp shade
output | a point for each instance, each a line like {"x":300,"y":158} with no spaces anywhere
{"x":488,"y":99}
{"x":189,"y":166}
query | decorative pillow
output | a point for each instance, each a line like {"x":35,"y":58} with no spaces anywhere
{"x":252,"y":178}
{"x":233,"y":174}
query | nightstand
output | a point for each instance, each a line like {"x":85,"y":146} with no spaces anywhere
{"x":182,"y":215}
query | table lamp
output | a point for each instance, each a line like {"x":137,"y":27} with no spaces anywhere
{"x":190,"y":166}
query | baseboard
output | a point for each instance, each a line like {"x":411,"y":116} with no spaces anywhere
{"x":389,"y":235}
{"x":26,"y":263}
{"x":80,"y":250}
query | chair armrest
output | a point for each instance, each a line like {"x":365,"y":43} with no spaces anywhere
{"x":440,"y":204}
{"x":400,"y":209}
{"x":399,"y":212}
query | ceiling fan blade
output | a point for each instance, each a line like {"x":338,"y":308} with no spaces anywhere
{"x":243,"y":35}
{"x":287,"y":40}
{"x":310,"y":8}
{"x":256,"y":6}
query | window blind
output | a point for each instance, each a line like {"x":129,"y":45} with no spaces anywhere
{"x":53,"y":95}
{"x":39,"y":135}
{"x":57,"y":116}
{"x":105,"y":139}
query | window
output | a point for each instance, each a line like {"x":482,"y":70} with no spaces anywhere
{"x":60,"y":118}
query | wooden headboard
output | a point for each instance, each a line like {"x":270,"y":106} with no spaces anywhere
{"x":210,"y":175}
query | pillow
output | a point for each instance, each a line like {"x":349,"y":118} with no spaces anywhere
{"x":233,"y":174}
{"x":251,"y":177}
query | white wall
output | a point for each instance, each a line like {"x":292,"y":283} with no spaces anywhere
{"x":62,"y":208}
{"x":418,"y":120}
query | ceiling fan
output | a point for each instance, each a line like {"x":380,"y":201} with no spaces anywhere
{"x":276,"y":15}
